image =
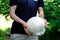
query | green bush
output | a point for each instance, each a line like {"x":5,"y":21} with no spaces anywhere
{"x":1,"y":38}
{"x":52,"y":14}
{"x":5,"y":34}
{"x":4,"y":7}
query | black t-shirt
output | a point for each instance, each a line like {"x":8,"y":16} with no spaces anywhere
{"x":25,"y":10}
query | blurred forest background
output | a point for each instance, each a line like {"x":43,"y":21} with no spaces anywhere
{"x":52,"y":14}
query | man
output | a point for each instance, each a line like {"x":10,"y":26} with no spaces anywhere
{"x":20,"y":12}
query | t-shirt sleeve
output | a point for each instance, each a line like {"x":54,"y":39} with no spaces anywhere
{"x":40,"y":3}
{"x":12,"y":2}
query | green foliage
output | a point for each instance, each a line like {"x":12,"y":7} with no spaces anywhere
{"x":5,"y":34}
{"x":52,"y":14}
{"x":4,"y":7}
{"x":1,"y":38}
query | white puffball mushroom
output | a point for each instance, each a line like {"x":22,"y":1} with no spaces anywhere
{"x":35,"y":26}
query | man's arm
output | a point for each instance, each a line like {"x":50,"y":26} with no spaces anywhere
{"x":41,"y":12}
{"x":14,"y":16}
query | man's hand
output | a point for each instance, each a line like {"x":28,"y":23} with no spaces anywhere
{"x":25,"y":28}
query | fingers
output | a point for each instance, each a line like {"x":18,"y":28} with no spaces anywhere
{"x":45,"y":22}
{"x":25,"y":28}
{"x":26,"y":31}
